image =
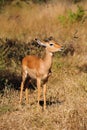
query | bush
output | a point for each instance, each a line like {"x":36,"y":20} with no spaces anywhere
{"x":3,"y":57}
{"x":72,"y":17}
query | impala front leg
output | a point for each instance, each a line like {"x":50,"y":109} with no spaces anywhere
{"x":26,"y":93}
{"x":44,"y":94}
{"x":39,"y":89}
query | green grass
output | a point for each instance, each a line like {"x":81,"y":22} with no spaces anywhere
{"x":72,"y":17}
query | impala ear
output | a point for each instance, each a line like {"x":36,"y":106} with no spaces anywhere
{"x":50,"y":38}
{"x":40,"y":42}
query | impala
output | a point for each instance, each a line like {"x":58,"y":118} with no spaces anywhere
{"x":39,"y":68}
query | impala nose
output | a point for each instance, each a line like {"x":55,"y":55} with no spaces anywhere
{"x":60,"y":49}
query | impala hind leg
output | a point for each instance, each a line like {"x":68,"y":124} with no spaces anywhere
{"x":22,"y":85}
{"x":27,"y":91}
{"x":44,"y":95}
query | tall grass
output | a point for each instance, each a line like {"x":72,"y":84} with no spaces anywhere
{"x":26,"y":22}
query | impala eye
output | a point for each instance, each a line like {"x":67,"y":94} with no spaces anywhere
{"x":51,"y":44}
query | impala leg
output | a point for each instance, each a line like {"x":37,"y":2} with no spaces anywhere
{"x":22,"y":86}
{"x":26,"y":94}
{"x":44,"y":95}
{"x":39,"y":91}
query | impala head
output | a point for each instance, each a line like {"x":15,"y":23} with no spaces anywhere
{"x":50,"y":45}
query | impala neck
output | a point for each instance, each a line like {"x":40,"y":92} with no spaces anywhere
{"x":48,"y":59}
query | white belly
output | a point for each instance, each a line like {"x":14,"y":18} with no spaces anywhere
{"x":33,"y":73}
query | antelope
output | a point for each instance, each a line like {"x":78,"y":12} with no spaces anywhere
{"x":39,"y":68}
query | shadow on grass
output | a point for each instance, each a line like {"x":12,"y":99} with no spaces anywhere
{"x":49,"y":103}
{"x":11,"y":80}
{"x":30,"y":84}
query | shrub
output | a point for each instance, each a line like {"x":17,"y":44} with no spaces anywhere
{"x":72,"y":17}
{"x":3,"y":57}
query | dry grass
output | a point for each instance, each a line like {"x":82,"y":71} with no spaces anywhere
{"x":67,"y":87}
{"x":67,"y":106}
{"x":26,"y":22}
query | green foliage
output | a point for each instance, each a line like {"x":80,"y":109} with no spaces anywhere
{"x":76,"y":16}
{"x":2,"y":1}
{"x":72,"y":17}
{"x":62,"y":19}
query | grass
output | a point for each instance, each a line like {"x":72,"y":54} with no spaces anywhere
{"x":67,"y":86}
{"x":72,"y":17}
{"x":16,"y":26}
